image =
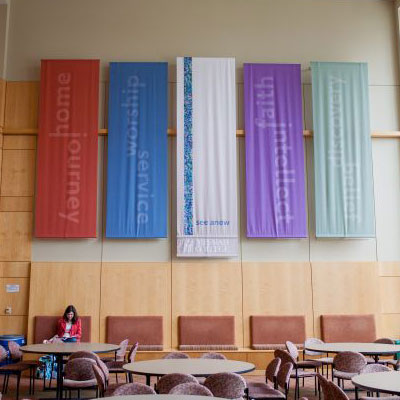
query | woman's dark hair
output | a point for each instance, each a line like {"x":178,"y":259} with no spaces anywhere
{"x":68,"y":310}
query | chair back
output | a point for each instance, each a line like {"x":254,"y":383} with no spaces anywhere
{"x":309,"y":342}
{"x":15,"y":352}
{"x":349,"y":361}
{"x":101,"y":384}
{"x":121,"y":353}
{"x":325,"y":387}
{"x":292,"y":349}
{"x":336,"y":393}
{"x":104,"y":370}
{"x":79,"y":369}
{"x":169,"y":381}
{"x":271,"y":372}
{"x":214,"y":356}
{"x":133,"y":389}
{"x":384,"y":340}
{"x":132,"y":352}
{"x":283,"y":377}
{"x":284,"y":356}
{"x":3,"y":353}
{"x":175,"y":354}
{"x":371,"y":368}
{"x":84,"y":354}
{"x":227,"y":385}
{"x":190,"y":389}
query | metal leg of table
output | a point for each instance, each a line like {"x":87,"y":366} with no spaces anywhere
{"x":59,"y":377}
{"x":148,"y":380}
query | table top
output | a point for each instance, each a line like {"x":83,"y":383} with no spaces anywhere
{"x":385,"y":382}
{"x":68,"y":348}
{"x":161,"y":397}
{"x":363,"y":348}
{"x":193,"y":366}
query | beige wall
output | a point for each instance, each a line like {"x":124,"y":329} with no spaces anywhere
{"x":3,"y":37}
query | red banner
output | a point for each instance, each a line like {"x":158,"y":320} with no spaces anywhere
{"x":66,"y":192}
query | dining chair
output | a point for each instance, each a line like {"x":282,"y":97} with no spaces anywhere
{"x":271,"y":373}
{"x":83,"y":354}
{"x":169,"y":381}
{"x":79,"y":375}
{"x":120,"y":354}
{"x":175,"y":354}
{"x":297,"y":372}
{"x":128,"y":389}
{"x":324,"y":386}
{"x":346,"y":365}
{"x":336,"y":393}
{"x":369,"y":369}
{"x":191,"y":389}
{"x":116,"y":367}
{"x":325,"y":361}
{"x":213,"y":356}
{"x":227,"y":385}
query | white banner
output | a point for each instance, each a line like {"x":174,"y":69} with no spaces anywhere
{"x":206,"y":158}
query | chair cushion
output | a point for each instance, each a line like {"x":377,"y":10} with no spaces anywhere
{"x":18,"y":367}
{"x":308,"y":364}
{"x":79,"y":384}
{"x":259,"y":390}
{"x":46,"y":328}
{"x":276,"y":330}
{"x":209,"y":332}
{"x":146,"y":329}
{"x":348,"y":328}
{"x":344,"y":375}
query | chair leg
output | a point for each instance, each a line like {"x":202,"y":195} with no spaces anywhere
{"x":18,"y":381}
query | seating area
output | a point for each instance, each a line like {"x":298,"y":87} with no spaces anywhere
{"x":199,"y":198}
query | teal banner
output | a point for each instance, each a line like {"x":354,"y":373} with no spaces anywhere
{"x":344,"y":195}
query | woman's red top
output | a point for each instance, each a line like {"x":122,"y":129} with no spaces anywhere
{"x":76,"y":329}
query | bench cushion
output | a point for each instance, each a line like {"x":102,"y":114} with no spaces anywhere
{"x":207,"y":332}
{"x":348,"y":328}
{"x":46,"y":328}
{"x":269,"y":332}
{"x":147,"y":330}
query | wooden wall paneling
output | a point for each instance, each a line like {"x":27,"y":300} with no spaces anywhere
{"x":277,"y":288}
{"x":207,"y":288}
{"x":19,"y":142}
{"x":71,"y":283}
{"x":22,"y":103}
{"x":14,"y":203}
{"x":389,"y":294}
{"x":136,"y":289}
{"x":17,"y":301}
{"x":15,"y":269}
{"x":18,"y":173}
{"x":15,"y":236}
{"x":390,"y":326}
{"x":11,"y":324}
{"x":345,"y":288}
{"x":389,"y":268}
{"x":2,"y":101}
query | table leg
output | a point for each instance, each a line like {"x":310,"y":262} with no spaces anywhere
{"x":148,"y":380}
{"x":59,"y":359}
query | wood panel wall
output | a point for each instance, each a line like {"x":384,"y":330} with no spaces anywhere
{"x":173,"y":288}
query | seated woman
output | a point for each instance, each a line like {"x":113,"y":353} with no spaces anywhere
{"x":69,"y":328}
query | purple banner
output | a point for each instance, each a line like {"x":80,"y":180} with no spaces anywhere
{"x":274,"y":151}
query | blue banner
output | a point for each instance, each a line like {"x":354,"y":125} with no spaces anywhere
{"x":137,"y":151}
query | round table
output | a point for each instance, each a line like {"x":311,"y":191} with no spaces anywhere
{"x":59,"y":350}
{"x":368,"y":349}
{"x":200,"y":367}
{"x":385,"y":382}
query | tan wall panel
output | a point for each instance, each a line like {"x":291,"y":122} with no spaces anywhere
{"x":2,"y":101}
{"x":260,"y":359}
{"x":277,"y":289}
{"x":19,"y":142}
{"x":136,"y":289}
{"x":15,"y":236}
{"x":207,"y":288}
{"x":16,"y":203}
{"x":390,"y":294}
{"x":345,"y":288}
{"x":389,"y":268}
{"x":13,"y":325}
{"x":22,"y":103}
{"x":56,"y":285}
{"x":17,"y":301}
{"x":390,"y":326}
{"x":18,"y":173}
{"x":15,"y":269}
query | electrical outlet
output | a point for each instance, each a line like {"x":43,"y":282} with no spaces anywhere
{"x":8,"y":310}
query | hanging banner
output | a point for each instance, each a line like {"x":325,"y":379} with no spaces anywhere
{"x":275,"y":188}
{"x":66,"y":192}
{"x":206,"y":158}
{"x":137,"y":151}
{"x":344,"y":196}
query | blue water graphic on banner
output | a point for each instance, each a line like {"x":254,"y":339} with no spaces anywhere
{"x":137,"y":151}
